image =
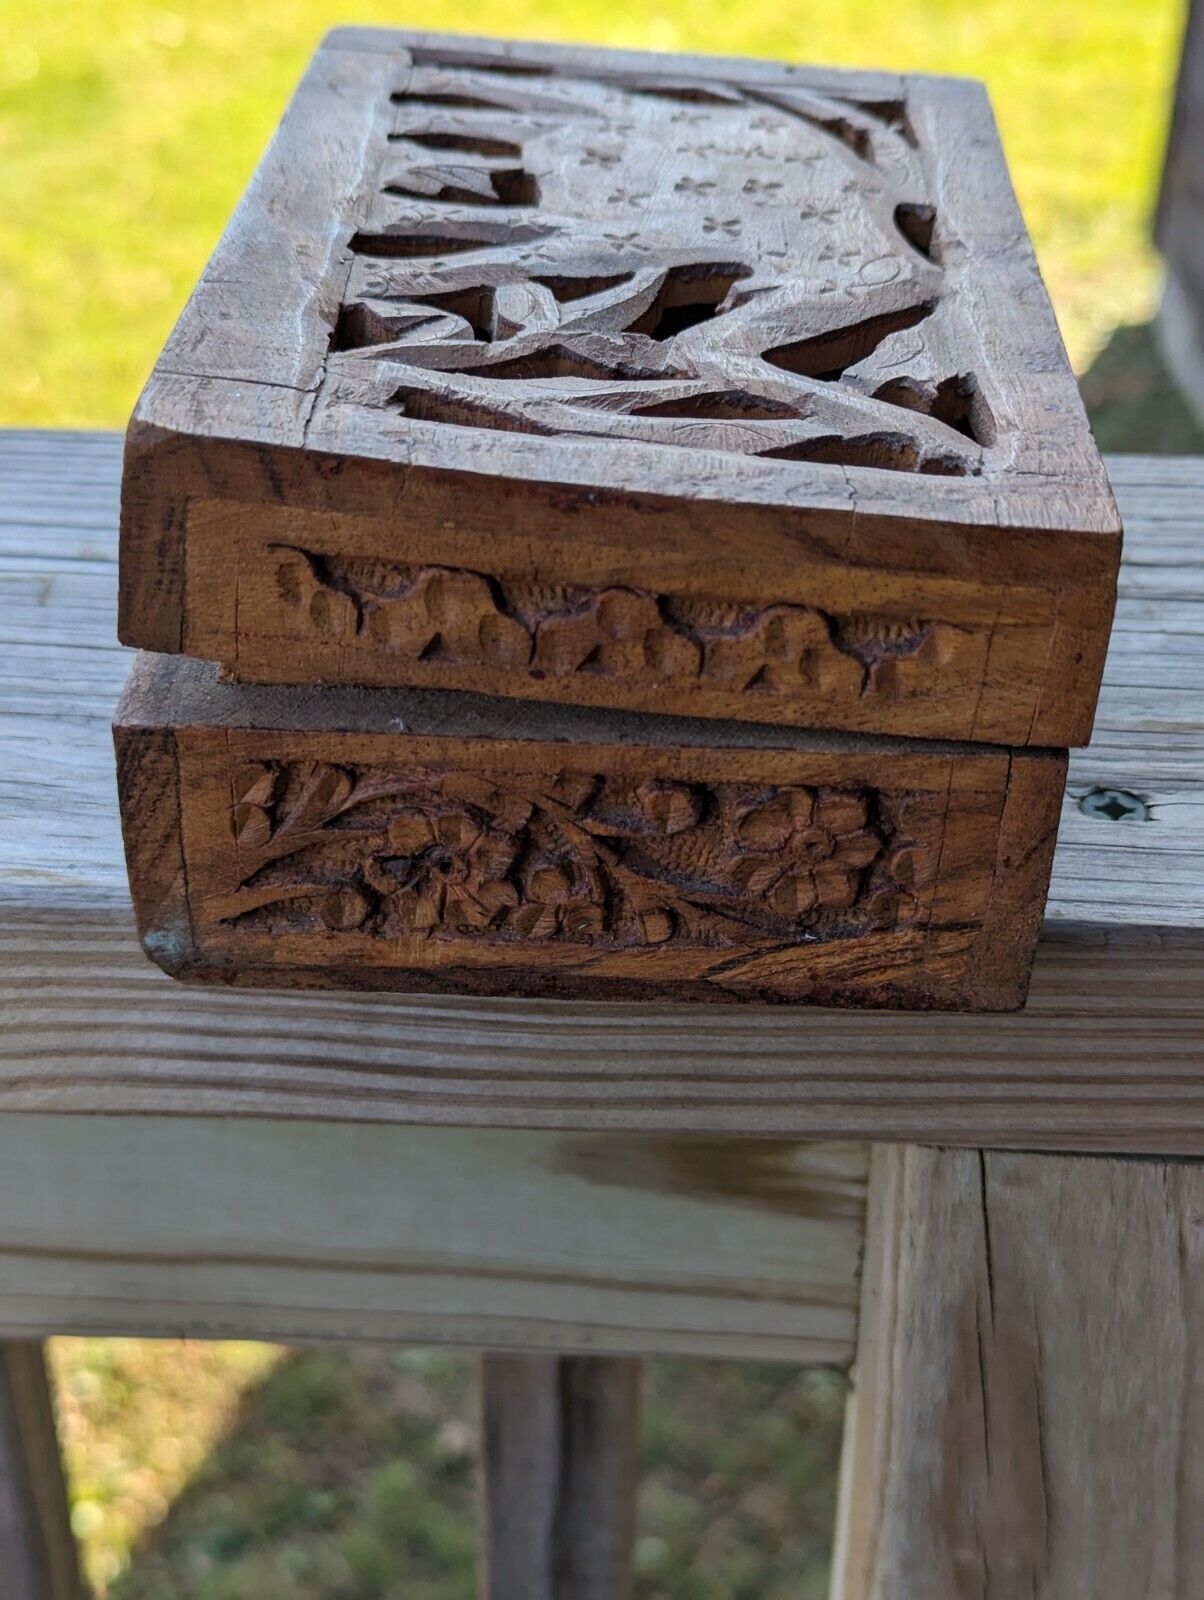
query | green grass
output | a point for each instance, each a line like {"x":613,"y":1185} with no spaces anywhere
{"x":128,"y":129}
{"x":337,"y":1475}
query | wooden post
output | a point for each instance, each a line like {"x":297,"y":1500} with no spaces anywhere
{"x":560,"y":1476}
{"x":1028,"y":1412}
{"x":1179,"y":226}
{"x":37,"y":1552}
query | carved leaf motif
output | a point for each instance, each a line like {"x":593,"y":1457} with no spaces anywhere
{"x":252,"y":789}
{"x":254,"y":785}
{"x":252,"y":827}
{"x":786,"y":648}
{"x":439,"y":616}
{"x":323,"y":791}
{"x":578,"y":857}
{"x":617,"y":633}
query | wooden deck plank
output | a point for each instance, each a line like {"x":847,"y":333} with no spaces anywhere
{"x":1107,"y":1056}
{"x":306,"y":1231}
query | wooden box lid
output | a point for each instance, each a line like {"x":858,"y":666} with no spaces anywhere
{"x":709,"y":387}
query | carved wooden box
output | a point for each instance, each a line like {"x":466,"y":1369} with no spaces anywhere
{"x":432,"y":840}
{"x":694,"y":386}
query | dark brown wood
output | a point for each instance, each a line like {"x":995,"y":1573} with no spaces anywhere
{"x":560,"y":1437}
{"x":37,"y":1551}
{"x":677,"y":384}
{"x":374,"y":839}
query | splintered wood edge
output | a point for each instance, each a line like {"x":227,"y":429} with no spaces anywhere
{"x":1003,"y":957}
{"x":148,"y":777}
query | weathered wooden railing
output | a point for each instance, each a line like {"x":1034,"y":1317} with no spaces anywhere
{"x":616,"y":1180}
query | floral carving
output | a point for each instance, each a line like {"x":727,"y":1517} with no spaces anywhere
{"x":778,"y":650}
{"x":433,"y":614}
{"x":578,"y":858}
{"x":446,"y":868}
{"x":445,"y":616}
{"x":616,"y":632}
{"x":805,"y":851}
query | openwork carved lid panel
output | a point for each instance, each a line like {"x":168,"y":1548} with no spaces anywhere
{"x":709,"y":266}
{"x":716,"y":345}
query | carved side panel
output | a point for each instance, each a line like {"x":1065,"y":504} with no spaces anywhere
{"x":440,"y":617}
{"x":569,"y":858}
{"x":418,"y":843}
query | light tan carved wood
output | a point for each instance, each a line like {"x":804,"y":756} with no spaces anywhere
{"x":559,"y":1459}
{"x":1107,"y":1055}
{"x":677,"y":384}
{"x":383,"y":840}
{"x":210,"y":1226}
{"x":1028,"y":1405}
{"x":38,"y":1558}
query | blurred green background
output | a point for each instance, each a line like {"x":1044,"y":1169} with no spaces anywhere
{"x":127,"y":130}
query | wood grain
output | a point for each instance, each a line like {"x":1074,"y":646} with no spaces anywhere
{"x":376,"y":839}
{"x":559,"y":1462}
{"x":38,"y":1559}
{"x":1107,"y":1055}
{"x":696,"y":386}
{"x":1028,"y":1412}
{"x":495,"y":1239}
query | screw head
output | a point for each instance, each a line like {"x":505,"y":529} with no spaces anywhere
{"x":1114,"y":805}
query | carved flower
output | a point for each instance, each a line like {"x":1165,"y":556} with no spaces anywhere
{"x":343,"y":908}
{"x":779,"y":651}
{"x":804,"y":851}
{"x":333,"y":611}
{"x":446,"y":868}
{"x":618,"y":633}
{"x":557,"y":901}
{"x":450,"y":618}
